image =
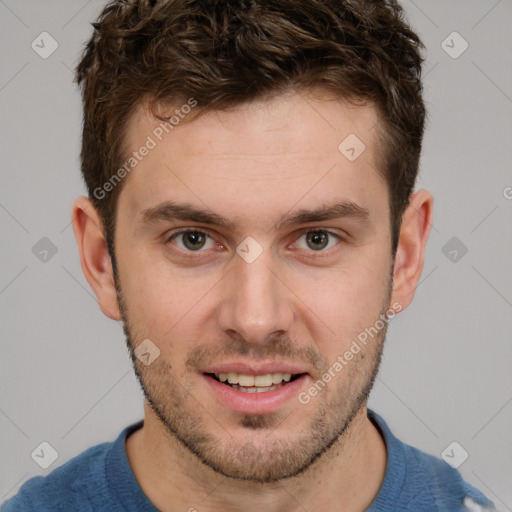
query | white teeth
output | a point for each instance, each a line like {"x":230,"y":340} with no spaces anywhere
{"x":262,"y":381}
{"x":254,"y":389}
{"x":245,"y":380}
{"x":232,"y":378}
{"x":258,"y":381}
{"x":277,"y":378}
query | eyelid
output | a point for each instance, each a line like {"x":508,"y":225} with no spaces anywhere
{"x":180,"y":231}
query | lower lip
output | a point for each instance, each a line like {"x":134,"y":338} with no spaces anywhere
{"x":255,"y":403}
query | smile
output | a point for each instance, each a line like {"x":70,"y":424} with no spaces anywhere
{"x":255,"y":394}
{"x":254,"y":383}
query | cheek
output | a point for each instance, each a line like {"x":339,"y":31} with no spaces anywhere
{"x":345,"y":301}
{"x":162,"y":300}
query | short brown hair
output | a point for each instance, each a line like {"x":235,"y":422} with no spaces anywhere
{"x":225,"y":53}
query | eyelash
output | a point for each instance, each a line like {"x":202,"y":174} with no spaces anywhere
{"x":197,"y":254}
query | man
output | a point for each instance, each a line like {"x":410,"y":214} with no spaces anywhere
{"x":251,"y":219}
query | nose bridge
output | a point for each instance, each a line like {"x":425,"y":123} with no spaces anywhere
{"x":256,"y":304}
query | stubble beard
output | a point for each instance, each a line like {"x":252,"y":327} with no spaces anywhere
{"x":264,"y":457}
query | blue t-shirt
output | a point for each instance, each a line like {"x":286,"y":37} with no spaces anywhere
{"x":101,"y":479}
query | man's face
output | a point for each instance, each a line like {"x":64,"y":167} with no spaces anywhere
{"x":259,"y":285}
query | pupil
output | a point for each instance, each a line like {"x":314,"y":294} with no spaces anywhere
{"x":193,"y":240}
{"x":317,"y":240}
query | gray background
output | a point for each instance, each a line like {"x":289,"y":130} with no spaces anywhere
{"x":65,"y":373}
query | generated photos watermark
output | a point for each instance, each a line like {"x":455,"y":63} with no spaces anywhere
{"x":152,"y":141}
{"x":355,"y":348}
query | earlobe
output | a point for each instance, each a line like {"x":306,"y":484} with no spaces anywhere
{"x":94,"y":256}
{"x":410,"y":254}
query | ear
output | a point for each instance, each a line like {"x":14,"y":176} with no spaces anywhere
{"x":94,"y":256}
{"x":414,"y":232}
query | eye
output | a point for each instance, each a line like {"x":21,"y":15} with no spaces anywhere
{"x":193,"y":240}
{"x":317,"y":240}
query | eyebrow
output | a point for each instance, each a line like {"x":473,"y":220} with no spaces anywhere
{"x":339,"y":209}
{"x":171,"y":210}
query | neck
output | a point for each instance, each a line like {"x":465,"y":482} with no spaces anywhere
{"x":348,"y":475}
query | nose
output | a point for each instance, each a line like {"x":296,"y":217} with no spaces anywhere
{"x":256,"y":304}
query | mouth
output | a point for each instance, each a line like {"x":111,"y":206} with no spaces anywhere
{"x":255,"y":392}
{"x":254,"y":383}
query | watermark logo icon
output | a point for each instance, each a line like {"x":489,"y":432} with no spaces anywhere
{"x":146,"y":352}
{"x":44,"y":250}
{"x":454,"y":454}
{"x":351,"y":147}
{"x":454,"y":45}
{"x":44,"y":455}
{"x":454,"y":250}
{"x":44,"y":45}
{"x":249,"y":250}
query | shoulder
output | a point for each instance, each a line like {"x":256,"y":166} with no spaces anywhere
{"x":66,"y":488}
{"x":443,"y":484}
{"x":419,"y":481}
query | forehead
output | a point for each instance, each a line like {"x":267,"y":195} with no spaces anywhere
{"x":277,"y":150}
{"x":302,"y":121}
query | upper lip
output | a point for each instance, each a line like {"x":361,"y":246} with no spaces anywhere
{"x":259,"y":368}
